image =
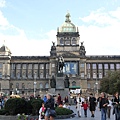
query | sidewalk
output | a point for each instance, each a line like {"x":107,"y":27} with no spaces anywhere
{"x":97,"y":115}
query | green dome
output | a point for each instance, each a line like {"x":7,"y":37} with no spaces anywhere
{"x":67,"y":25}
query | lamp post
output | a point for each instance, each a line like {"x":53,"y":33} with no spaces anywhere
{"x":96,"y":82}
{"x":34,"y":84}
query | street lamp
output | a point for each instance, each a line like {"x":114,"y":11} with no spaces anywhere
{"x":96,"y":82}
{"x":35,"y":84}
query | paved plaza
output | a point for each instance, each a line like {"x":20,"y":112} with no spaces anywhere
{"x":97,"y":115}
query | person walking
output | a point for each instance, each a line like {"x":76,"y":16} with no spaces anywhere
{"x":66,"y":100}
{"x":42,"y":112}
{"x":92,"y":103}
{"x":49,"y":108}
{"x":59,"y":101}
{"x":79,"y":101}
{"x":85,"y":107}
{"x":116,"y":101}
{"x":109,"y":106}
{"x":103,"y":102}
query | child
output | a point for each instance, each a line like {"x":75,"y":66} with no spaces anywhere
{"x":85,"y":106}
{"x":42,"y":112}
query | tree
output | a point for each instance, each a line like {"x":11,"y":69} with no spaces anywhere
{"x":111,"y":82}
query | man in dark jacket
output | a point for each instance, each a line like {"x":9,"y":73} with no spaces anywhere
{"x":49,"y":106}
{"x":103,"y":102}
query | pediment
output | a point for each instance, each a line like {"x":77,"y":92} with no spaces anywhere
{"x":70,"y":55}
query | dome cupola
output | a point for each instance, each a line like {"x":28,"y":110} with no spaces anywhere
{"x":67,"y":25}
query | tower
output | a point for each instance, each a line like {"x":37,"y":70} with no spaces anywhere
{"x":5,"y":57}
{"x":68,"y":37}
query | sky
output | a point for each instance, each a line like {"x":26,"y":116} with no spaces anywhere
{"x":29,"y":26}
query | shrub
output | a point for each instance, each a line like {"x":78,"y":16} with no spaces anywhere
{"x":16,"y":105}
{"x":63,"y":111}
{"x":3,"y":112}
{"x":36,"y":105}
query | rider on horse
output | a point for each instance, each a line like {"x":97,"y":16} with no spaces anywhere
{"x":61,"y":64}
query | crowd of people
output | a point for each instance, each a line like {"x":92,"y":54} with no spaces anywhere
{"x":103,"y":102}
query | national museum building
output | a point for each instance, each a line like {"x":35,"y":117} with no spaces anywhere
{"x":28,"y":74}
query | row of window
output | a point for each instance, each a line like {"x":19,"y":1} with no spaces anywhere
{"x":68,"y":41}
{"x":29,"y":66}
{"x":29,"y":86}
{"x":29,"y":75}
{"x":105,"y":66}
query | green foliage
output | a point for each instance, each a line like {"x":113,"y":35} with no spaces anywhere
{"x":63,"y":111}
{"x":111,"y":82}
{"x":15,"y":106}
{"x":36,"y":104}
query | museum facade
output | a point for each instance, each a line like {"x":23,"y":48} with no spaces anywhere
{"x":31,"y":74}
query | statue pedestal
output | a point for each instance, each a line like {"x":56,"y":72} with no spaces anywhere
{"x":60,"y":86}
{"x":60,"y":81}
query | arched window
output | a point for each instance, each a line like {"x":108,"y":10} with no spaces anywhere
{"x":46,"y":85}
{"x":41,"y":85}
{"x":17,"y":85}
{"x":73,"y":83}
{"x":29,"y":85}
{"x":23,"y":86}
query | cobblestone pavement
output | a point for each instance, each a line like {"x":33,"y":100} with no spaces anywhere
{"x":97,"y":115}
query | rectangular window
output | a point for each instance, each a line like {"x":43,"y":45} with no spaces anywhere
{"x":12,"y":66}
{"x":94,"y":75}
{"x":105,"y":66}
{"x":12,"y":74}
{"x":82,"y":65}
{"x":35,"y":66}
{"x":88,"y":66}
{"x":99,"y":66}
{"x":1,"y":65}
{"x":24,"y":75}
{"x":82,"y":75}
{"x":94,"y":66}
{"x":88,"y":75}
{"x":18,"y":66}
{"x":30,"y":66}
{"x":18,"y":75}
{"x":112,"y":66}
{"x":30,"y":75}
{"x":41,"y":75}
{"x":0,"y":74}
{"x":118,"y":66}
{"x":41,"y":66}
{"x":47,"y":75}
{"x":100,"y":75}
{"x":24,"y":66}
{"x":47,"y":66}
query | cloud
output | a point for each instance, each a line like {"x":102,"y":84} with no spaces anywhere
{"x":100,"y":17}
{"x":101,"y":40}
{"x":2,"y":3}
{"x":20,"y":45}
{"x":17,"y":41}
